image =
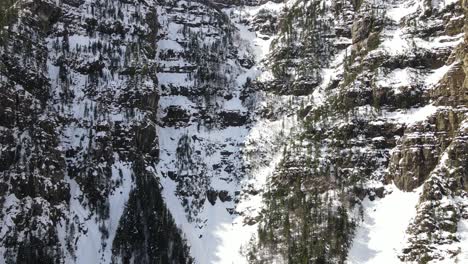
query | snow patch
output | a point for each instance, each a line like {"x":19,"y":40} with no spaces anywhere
{"x":379,"y":238}
{"x":462,"y":230}
{"x":437,"y":75}
{"x":413,"y":115}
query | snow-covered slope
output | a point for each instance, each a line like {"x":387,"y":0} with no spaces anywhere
{"x":233,"y":131}
{"x":216,"y":153}
{"x":386,"y":218}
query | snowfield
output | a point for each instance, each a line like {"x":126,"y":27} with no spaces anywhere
{"x":380,"y":236}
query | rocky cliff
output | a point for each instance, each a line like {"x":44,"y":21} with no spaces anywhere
{"x":79,"y":139}
{"x":249,"y":131}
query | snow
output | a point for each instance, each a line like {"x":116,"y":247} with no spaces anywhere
{"x":170,"y":44}
{"x":412,"y":115}
{"x":9,"y":208}
{"x":379,"y":238}
{"x":397,"y":79}
{"x":219,"y":241}
{"x":255,"y":43}
{"x":396,"y":43}
{"x":442,"y":42}
{"x":437,"y":75}
{"x":402,"y":10}
{"x":117,"y":200}
{"x":213,"y":233}
{"x":336,"y":67}
{"x":462,"y":231}
{"x":442,"y":4}
{"x":175,"y":79}
{"x":222,"y":236}
{"x":91,"y":246}
{"x":216,"y":236}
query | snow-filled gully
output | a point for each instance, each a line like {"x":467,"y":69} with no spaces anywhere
{"x":380,"y":236}
{"x":214,"y":233}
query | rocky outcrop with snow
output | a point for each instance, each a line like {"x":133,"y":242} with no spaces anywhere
{"x":386,"y":107}
{"x":79,"y":139}
{"x":232,"y":131}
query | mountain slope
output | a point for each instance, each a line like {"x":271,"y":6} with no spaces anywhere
{"x":390,"y":111}
{"x":78,"y":136}
{"x":300,"y":131}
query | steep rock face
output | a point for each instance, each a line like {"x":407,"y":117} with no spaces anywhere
{"x":268,"y":132}
{"x":208,"y":56}
{"x":386,"y":109}
{"x":33,"y":187}
{"x":80,"y":136}
{"x":124,"y":99}
{"x":311,"y":33}
{"x":442,"y":210}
